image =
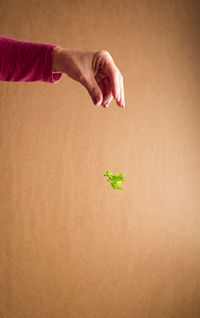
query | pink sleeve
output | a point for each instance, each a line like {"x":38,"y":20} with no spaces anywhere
{"x":22,"y":61}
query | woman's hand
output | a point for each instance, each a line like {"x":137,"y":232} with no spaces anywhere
{"x":96,"y":71}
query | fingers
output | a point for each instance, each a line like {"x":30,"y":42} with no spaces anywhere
{"x":117,"y":86}
{"x":116,"y":81}
{"x":122,"y":98}
{"x":99,"y":74}
{"x":93,"y":89}
{"x":107,"y":93}
{"x":105,"y":66}
{"x":110,"y":88}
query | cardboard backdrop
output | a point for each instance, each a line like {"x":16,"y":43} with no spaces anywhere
{"x":71,"y":246}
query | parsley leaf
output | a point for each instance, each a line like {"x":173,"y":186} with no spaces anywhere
{"x":115,"y":180}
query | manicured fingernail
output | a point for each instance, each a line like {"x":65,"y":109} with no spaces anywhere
{"x":96,"y":100}
{"x":118,"y":98}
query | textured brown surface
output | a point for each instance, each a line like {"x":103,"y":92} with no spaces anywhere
{"x":71,"y":246}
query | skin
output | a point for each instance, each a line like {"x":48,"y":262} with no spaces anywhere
{"x":96,"y":71}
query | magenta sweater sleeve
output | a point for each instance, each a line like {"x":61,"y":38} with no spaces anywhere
{"x":22,"y":61}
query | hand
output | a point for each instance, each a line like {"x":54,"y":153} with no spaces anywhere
{"x":96,"y":71}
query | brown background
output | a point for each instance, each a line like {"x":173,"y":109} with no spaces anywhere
{"x":71,"y":246}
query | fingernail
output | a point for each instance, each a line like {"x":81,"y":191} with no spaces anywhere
{"x":118,"y":98}
{"x":107,"y":104}
{"x":96,"y":100}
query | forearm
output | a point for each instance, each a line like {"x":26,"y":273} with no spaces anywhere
{"x":22,"y":61}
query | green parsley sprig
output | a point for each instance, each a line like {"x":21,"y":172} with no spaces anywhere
{"x":115,"y":180}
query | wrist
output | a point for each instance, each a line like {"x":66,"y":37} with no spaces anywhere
{"x":56,"y":64}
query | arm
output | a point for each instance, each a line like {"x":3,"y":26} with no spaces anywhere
{"x":22,"y":61}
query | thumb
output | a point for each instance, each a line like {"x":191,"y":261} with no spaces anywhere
{"x":94,"y":91}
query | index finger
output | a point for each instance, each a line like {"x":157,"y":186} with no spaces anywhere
{"x":116,"y":80}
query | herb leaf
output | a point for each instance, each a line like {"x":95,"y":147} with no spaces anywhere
{"x":115,"y":180}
